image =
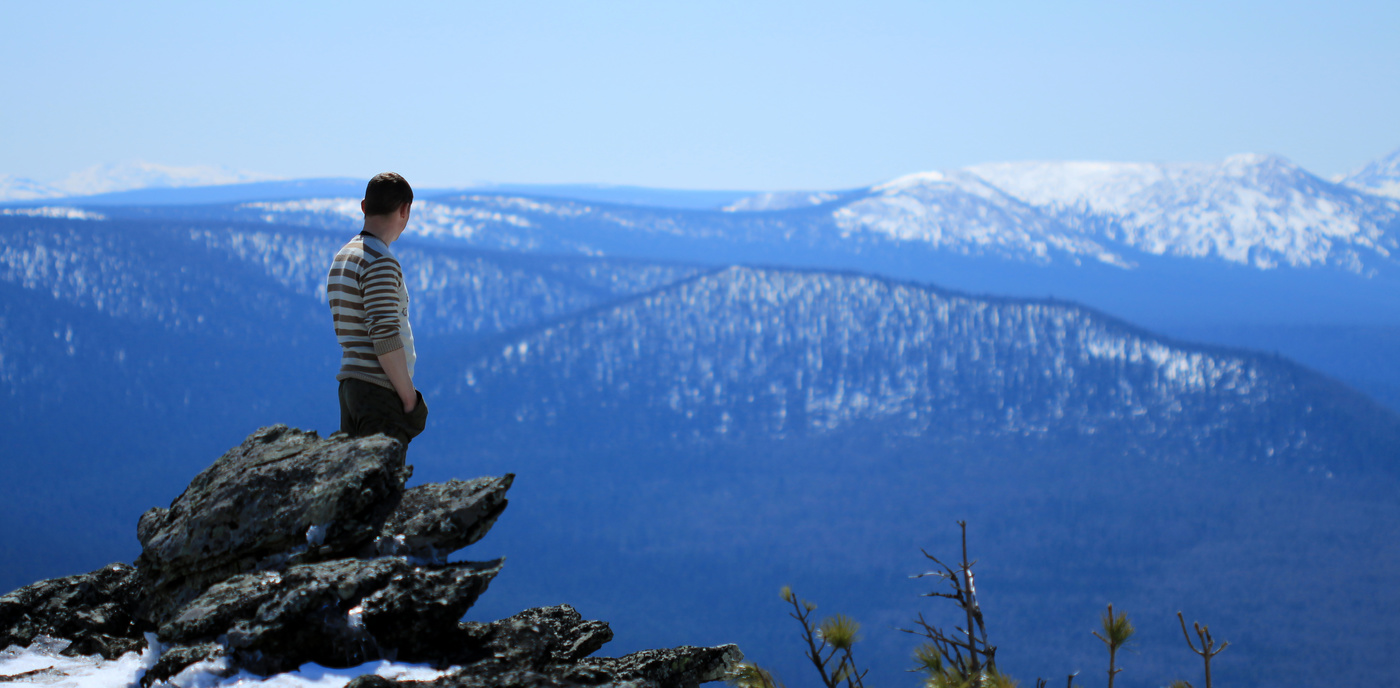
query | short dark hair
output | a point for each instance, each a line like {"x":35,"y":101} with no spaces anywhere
{"x":386,"y":192}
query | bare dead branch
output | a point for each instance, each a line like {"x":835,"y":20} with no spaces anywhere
{"x":1208,"y":648}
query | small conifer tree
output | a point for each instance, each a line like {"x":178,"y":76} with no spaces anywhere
{"x":1117,"y":631}
{"x":831,"y":641}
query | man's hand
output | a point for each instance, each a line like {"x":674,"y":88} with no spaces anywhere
{"x":395,"y":365}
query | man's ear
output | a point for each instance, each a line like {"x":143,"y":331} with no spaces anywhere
{"x":362,"y":208}
{"x":403,"y":209}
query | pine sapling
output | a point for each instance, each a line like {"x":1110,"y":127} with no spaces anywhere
{"x":831,"y":640}
{"x":1117,"y":631}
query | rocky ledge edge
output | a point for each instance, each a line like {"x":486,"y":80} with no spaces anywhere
{"x":291,"y":548}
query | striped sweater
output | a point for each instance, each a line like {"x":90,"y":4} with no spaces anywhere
{"x":369,"y":305}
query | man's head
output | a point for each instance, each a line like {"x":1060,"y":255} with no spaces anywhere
{"x":387,"y":201}
{"x":385,"y":193}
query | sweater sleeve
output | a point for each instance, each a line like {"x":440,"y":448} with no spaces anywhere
{"x":380,"y":285}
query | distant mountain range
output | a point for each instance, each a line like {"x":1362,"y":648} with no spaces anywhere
{"x":1260,"y":211}
{"x":689,"y":437}
{"x":761,"y":353}
{"x":1380,"y":176}
{"x":1256,"y":211}
{"x":1252,"y":251}
{"x":1254,"y":239}
{"x":703,"y":404}
{"x":142,"y":183}
{"x":1250,"y":209}
{"x":124,"y":176}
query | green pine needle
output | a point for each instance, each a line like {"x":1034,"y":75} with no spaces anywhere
{"x":996,"y":679}
{"x":929,"y":660}
{"x":1117,"y":630}
{"x":840,"y":631}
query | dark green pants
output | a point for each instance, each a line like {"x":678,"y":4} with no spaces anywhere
{"x":368,"y":409}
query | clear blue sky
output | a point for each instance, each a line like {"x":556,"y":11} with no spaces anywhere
{"x":714,"y":95}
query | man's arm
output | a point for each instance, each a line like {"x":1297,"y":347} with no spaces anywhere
{"x":395,"y":365}
{"x":380,"y":284}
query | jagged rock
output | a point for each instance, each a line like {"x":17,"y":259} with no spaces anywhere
{"x":504,"y":646}
{"x":292,"y":549}
{"x":681,"y":667}
{"x":282,"y":496}
{"x":96,"y":611}
{"x":514,"y":678}
{"x":177,"y":659}
{"x":414,"y":616}
{"x":533,"y":639}
{"x":338,"y":613}
{"x":549,"y":646}
{"x":537,"y":647}
{"x":577,"y":638}
{"x":437,"y":519}
{"x":305,"y":609}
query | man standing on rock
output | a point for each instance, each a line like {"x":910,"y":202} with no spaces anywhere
{"x":369,"y":305}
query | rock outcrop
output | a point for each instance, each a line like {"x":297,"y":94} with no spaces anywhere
{"x":291,"y":548}
{"x":434,"y":520}
{"x":284,"y":496}
{"x":96,"y":611}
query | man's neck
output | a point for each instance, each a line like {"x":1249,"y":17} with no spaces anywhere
{"x":389,"y":226}
{"x":384,"y":234}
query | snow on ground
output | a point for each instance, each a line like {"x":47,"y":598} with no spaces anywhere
{"x":42,"y":664}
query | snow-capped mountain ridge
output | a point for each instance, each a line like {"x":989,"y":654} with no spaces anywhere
{"x":429,"y":219}
{"x":138,"y":174}
{"x":1260,"y":211}
{"x":1380,"y":176}
{"x":124,"y":176}
{"x":960,"y":212}
{"x":21,"y":189}
{"x":1256,"y":210}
